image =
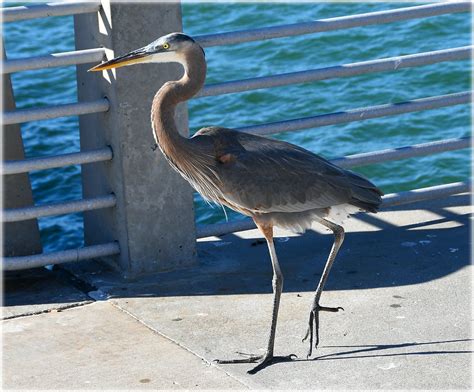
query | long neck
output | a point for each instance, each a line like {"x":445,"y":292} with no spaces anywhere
{"x":166,"y":99}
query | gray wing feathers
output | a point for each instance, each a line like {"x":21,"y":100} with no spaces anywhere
{"x":268,"y":175}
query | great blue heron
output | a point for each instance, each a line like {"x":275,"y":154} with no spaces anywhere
{"x":273,"y":182}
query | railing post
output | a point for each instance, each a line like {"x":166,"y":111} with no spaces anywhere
{"x":154,"y":217}
{"x":20,"y":238}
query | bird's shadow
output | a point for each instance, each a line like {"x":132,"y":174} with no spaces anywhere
{"x":367,"y":351}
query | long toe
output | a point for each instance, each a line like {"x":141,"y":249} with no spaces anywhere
{"x":313,"y":325}
{"x":250,"y":358}
{"x":326,"y":309}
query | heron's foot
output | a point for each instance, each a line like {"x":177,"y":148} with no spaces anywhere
{"x":250,"y":358}
{"x":263,"y":360}
{"x":313,"y":327}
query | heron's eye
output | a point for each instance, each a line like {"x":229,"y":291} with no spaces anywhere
{"x":166,"y":45}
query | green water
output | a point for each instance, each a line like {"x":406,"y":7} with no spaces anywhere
{"x":55,"y":86}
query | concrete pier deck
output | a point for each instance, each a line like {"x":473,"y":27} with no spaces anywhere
{"x":403,"y":276}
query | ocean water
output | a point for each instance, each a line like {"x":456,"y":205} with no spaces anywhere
{"x":58,"y":85}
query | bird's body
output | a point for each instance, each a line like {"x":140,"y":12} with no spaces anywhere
{"x":274,"y":182}
{"x":294,"y":188}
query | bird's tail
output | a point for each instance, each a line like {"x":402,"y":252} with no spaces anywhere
{"x":365,"y":194}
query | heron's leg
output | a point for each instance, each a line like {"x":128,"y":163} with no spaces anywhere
{"x":313,"y":327}
{"x":277,"y":283}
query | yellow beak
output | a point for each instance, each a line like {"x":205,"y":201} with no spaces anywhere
{"x":134,"y":57}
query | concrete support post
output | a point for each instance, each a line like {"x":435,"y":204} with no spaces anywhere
{"x":154,"y":217}
{"x":19,"y":238}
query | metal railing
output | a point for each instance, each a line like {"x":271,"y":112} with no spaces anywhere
{"x":331,"y":24}
{"x":54,"y":60}
{"x":358,"y":114}
{"x":64,"y":256}
{"x":345,"y":70}
{"x":339,"y":71}
{"x":15,"y":14}
{"x":72,"y":109}
{"x":43,"y":163}
{"x":393,"y":154}
{"x":93,"y":55}
{"x":65,"y":207}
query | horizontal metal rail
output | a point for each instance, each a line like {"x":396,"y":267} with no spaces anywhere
{"x":54,"y":60}
{"x":360,"y":114}
{"x":339,"y":71}
{"x":331,"y":24}
{"x":394,"y":154}
{"x":64,"y":256}
{"x":42,"y":163}
{"x":390,"y":200}
{"x":429,"y":193}
{"x":68,"y":207}
{"x":71,"y":109}
{"x":13,"y":14}
{"x":218,"y":229}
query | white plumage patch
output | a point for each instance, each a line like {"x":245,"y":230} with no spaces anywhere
{"x":339,"y":213}
{"x":299,"y":222}
{"x":164,"y":57}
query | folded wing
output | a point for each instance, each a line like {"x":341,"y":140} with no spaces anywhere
{"x":268,"y":175}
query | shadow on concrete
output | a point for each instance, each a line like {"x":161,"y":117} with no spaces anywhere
{"x":391,"y":256}
{"x":36,"y":291}
{"x":358,"y":352}
{"x":375,"y":349}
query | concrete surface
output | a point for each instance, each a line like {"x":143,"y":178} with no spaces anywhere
{"x":403,"y":277}
{"x":97,"y":346}
{"x":36,"y":291}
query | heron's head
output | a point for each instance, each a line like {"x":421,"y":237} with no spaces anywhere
{"x":170,"y":48}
